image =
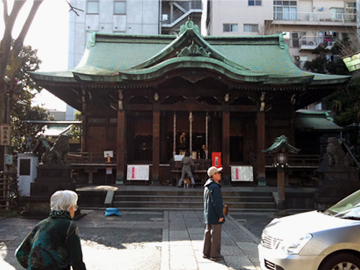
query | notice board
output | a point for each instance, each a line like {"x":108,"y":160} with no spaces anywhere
{"x":138,"y":172}
{"x":242,"y":173}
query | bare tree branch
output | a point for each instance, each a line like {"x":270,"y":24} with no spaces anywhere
{"x":20,"y":40}
{"x":6,"y":15}
{"x":72,"y":8}
{"x":5,"y":44}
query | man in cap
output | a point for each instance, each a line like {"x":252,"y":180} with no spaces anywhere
{"x":213,"y":215}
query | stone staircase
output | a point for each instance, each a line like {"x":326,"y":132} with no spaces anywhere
{"x":188,"y":199}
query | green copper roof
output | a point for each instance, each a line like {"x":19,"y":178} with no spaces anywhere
{"x":281,"y":144}
{"x":315,"y":121}
{"x":121,"y":57}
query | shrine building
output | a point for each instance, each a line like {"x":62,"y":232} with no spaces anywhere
{"x":150,"y":98}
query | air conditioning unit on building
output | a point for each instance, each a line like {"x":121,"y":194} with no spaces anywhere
{"x":164,"y":17}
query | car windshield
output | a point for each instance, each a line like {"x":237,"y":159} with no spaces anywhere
{"x":346,"y":208}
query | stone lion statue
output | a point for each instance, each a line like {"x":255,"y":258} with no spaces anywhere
{"x":58,"y":153}
{"x":336,"y":155}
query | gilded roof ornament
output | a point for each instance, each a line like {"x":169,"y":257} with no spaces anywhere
{"x":189,"y":25}
{"x":194,"y":50}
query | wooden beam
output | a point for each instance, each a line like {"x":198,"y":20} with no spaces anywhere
{"x":194,"y":107}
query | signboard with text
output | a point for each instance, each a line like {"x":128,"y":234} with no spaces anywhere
{"x":138,"y":172}
{"x":5,"y":133}
{"x":242,"y":173}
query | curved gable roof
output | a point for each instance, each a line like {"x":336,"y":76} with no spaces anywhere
{"x":121,"y":57}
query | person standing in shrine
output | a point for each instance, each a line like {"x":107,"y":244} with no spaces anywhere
{"x":213,"y":215}
{"x":186,"y":164}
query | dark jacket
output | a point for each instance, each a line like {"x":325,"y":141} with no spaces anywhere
{"x":213,"y":203}
{"x":54,"y":243}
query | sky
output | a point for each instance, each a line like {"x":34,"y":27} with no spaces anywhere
{"x":49,"y":34}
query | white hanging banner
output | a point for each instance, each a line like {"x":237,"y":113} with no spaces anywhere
{"x":242,"y":173}
{"x":138,"y":172}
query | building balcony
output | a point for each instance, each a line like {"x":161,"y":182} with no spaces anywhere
{"x":309,"y":43}
{"x":314,"y":18}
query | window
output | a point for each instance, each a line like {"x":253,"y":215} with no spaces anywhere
{"x":254,"y":2}
{"x":251,"y":28}
{"x":295,"y":39}
{"x":230,"y":27}
{"x":119,"y":7}
{"x":92,"y":7}
{"x":350,"y":11}
{"x":337,"y":13}
{"x":25,"y":167}
{"x":285,"y":10}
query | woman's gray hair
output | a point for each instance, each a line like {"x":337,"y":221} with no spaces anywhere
{"x":63,"y":200}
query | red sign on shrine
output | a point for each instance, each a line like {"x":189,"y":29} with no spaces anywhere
{"x":216,"y":159}
{"x":5,"y":133}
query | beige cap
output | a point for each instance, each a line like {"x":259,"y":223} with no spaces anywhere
{"x":213,"y":170}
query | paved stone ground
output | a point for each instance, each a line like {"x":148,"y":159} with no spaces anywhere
{"x":169,"y":240}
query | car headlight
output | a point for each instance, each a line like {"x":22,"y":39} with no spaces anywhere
{"x":294,"y":246}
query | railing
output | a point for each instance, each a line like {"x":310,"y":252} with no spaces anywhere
{"x":296,"y":161}
{"x":185,"y":7}
{"x":315,"y":41}
{"x":314,"y":16}
{"x":9,"y":192}
{"x":87,"y":157}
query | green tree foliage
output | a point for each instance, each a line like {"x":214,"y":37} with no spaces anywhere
{"x":20,"y":101}
{"x":346,"y":101}
{"x":327,"y":61}
{"x":76,"y":130}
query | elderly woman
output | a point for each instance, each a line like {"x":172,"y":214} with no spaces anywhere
{"x":54,"y":243}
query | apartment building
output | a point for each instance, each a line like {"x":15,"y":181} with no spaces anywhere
{"x":137,"y":17}
{"x":306,"y":24}
{"x":145,"y":17}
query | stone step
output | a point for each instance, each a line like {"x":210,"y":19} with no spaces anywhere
{"x":198,"y":198}
{"x":189,"y":204}
{"x":191,"y":192}
{"x":201,"y":209}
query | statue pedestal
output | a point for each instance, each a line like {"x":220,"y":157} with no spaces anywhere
{"x":335,"y":183}
{"x":50,"y":178}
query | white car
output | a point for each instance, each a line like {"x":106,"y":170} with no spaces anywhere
{"x":314,"y":240}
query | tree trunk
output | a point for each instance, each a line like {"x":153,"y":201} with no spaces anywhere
{"x":2,"y":119}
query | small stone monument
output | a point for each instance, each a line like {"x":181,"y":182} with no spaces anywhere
{"x":338,"y":175}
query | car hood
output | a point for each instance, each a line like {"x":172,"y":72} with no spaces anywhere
{"x":300,"y":224}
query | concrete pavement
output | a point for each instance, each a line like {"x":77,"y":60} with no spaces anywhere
{"x":164,"y":240}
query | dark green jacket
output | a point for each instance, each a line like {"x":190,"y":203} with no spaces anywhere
{"x":213,"y":203}
{"x":53,"y":244}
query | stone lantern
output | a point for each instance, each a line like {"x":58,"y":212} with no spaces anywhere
{"x":280,"y":150}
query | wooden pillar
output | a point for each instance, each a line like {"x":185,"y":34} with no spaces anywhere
{"x":156,"y":142}
{"x":207,"y":136}
{"x":225,"y":156}
{"x":281,"y":188}
{"x":261,"y":178}
{"x":120,"y":151}
{"x":84,"y":120}
{"x":174,"y":135}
